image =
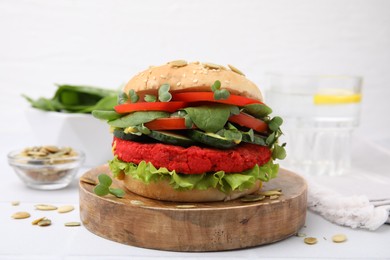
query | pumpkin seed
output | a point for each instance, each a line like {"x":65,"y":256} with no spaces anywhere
{"x":65,"y":209}
{"x":339,"y":238}
{"x":301,"y":234}
{"x":35,"y":222}
{"x":21,"y":215}
{"x":44,"y":222}
{"x":234,"y":69}
{"x":252,"y":197}
{"x":72,"y":224}
{"x":51,"y":148}
{"x":136,"y":202}
{"x":310,"y":240}
{"x":45,"y":207}
{"x":178,"y":63}
{"x":273,"y":197}
{"x":15,"y":203}
{"x":88,"y":180}
{"x":212,"y":66}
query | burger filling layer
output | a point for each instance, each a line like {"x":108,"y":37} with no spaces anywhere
{"x":193,"y":159}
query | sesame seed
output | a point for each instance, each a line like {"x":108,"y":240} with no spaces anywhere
{"x":178,"y":83}
{"x":195,"y":80}
{"x":163,"y":77}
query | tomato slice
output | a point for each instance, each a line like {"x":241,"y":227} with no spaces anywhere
{"x":172,"y":123}
{"x":249,"y":121}
{"x":209,"y":96}
{"x":150,"y":106}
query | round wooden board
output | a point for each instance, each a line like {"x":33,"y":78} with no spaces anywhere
{"x":143,"y":222}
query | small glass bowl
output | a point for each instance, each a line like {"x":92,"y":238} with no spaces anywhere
{"x":46,"y":173}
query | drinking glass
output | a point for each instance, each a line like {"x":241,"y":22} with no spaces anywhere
{"x":320,"y":113}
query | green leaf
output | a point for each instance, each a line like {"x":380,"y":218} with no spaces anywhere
{"x":278,"y":152}
{"x":275,"y":123}
{"x":105,"y":180}
{"x":150,"y":98}
{"x":147,"y":173}
{"x":137,"y":118}
{"x":75,"y":99}
{"x":270,"y":139}
{"x":119,"y":193}
{"x":209,"y":118}
{"x":258,"y":110}
{"x":101,"y":190}
{"x":133,"y":96}
{"x":143,"y":129}
{"x":122,"y":98}
{"x":188,"y":121}
{"x":106,"y":114}
{"x":221,"y":94}
{"x":216,"y":85}
{"x":163,"y":93}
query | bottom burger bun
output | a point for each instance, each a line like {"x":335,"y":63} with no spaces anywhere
{"x":162,"y":190}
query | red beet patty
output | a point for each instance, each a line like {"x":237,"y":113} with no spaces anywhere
{"x":194,"y":159}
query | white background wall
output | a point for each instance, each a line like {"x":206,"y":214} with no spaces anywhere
{"x":104,"y":43}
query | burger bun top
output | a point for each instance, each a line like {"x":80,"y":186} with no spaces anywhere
{"x":195,"y":76}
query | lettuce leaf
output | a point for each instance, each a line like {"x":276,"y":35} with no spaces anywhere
{"x":147,"y":173}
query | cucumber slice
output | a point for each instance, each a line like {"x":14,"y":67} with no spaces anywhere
{"x":211,"y":139}
{"x":257,"y":139}
{"x":131,"y":137}
{"x":171,"y":138}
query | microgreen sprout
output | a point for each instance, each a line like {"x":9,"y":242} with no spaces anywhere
{"x":150,"y":98}
{"x":218,"y":92}
{"x":122,"y":98}
{"x":163,"y":93}
{"x":260,"y":110}
{"x":103,"y":188}
{"x":279,"y":152}
{"x":133,"y":97}
{"x":275,"y":123}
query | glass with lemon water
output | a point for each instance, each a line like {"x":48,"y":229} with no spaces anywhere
{"x":320,"y":114}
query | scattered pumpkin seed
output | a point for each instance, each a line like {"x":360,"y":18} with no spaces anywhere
{"x":72,"y":224}
{"x":44,"y":222}
{"x":88,"y":180}
{"x":301,"y":234}
{"x":136,"y":202}
{"x":310,"y":240}
{"x":252,"y":197}
{"x":45,"y":207}
{"x":35,"y":222}
{"x":339,"y":238}
{"x":21,"y":215}
{"x":65,"y":209}
{"x":234,"y":69}
{"x":178,"y":63}
{"x":15,"y":203}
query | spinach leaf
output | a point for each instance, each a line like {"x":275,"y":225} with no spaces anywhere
{"x":210,"y":118}
{"x":137,"y":118}
{"x":76,"y":99}
{"x":258,"y":110}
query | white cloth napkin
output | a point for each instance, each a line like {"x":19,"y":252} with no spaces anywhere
{"x":360,"y":198}
{"x":355,"y":211}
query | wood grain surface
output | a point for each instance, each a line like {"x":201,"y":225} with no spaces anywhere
{"x":143,"y":222}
